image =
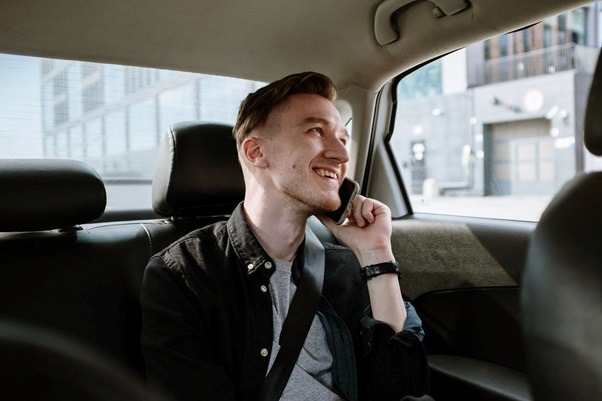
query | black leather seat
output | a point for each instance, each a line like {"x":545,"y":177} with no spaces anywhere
{"x":68,"y":298}
{"x":198,"y":180}
{"x":44,"y":194}
{"x":37,"y":364}
{"x":562,"y":293}
{"x":81,"y":282}
{"x":197,"y":171}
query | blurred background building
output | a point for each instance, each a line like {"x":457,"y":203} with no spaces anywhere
{"x":503,"y":116}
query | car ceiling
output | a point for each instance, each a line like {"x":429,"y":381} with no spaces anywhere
{"x":260,"y":39}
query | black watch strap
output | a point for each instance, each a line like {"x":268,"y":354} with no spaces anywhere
{"x":380,"y":268}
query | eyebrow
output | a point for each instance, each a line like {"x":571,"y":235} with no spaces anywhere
{"x":323,"y":121}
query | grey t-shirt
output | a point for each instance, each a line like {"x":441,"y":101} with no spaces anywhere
{"x":311,"y":378}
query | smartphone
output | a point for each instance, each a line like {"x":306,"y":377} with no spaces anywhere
{"x":347,"y":193}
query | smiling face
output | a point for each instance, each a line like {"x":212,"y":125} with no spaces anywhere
{"x":305,"y":152}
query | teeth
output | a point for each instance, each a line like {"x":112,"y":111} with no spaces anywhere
{"x":328,"y":174}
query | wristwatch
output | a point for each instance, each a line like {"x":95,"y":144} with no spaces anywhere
{"x":380,"y":268}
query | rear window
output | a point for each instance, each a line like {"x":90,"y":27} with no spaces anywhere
{"x":109,"y":116}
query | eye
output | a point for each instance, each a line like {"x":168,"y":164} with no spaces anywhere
{"x":316,"y":130}
{"x":343,"y":140}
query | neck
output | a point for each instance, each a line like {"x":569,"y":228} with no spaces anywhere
{"x":280,"y":228}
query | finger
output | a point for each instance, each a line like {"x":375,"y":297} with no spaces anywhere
{"x":357,"y":211}
{"x":368,"y":210}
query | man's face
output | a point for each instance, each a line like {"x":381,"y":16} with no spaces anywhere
{"x":306,"y":152}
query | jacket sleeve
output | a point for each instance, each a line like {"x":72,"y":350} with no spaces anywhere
{"x":395,"y":363}
{"x":177,"y":351}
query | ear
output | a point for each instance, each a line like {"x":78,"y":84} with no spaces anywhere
{"x":252,"y":152}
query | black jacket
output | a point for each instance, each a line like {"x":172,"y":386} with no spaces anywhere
{"x":207,"y":321}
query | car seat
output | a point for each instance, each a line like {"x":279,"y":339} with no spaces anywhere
{"x":562,"y":292}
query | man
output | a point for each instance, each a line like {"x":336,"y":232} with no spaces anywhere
{"x":214,"y":301}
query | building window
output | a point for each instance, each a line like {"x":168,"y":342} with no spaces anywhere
{"x":92,"y":96}
{"x":60,"y":83}
{"x":578,"y":26}
{"x":137,"y":78}
{"x":61,"y":112}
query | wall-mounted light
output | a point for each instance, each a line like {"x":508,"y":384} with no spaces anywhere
{"x":552,"y":112}
{"x":418,"y":151}
{"x":533,"y":100}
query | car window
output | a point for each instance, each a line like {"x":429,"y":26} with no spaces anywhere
{"x":110,"y":116}
{"x":495,"y":129}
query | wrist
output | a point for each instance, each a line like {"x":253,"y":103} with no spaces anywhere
{"x":374,"y":256}
{"x":379,"y":269}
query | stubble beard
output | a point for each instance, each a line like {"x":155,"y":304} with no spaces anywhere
{"x":314,"y":203}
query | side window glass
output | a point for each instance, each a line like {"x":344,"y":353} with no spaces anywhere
{"x":495,"y":129}
{"x":112,"y":117}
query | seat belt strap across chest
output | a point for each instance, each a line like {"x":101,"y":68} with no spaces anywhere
{"x":300,"y":315}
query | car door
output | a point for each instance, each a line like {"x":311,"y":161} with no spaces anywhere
{"x":472,"y":151}
{"x":463,"y":276}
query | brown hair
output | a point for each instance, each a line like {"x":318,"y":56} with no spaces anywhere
{"x":254,"y":110}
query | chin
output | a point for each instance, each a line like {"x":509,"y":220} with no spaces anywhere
{"x":317,"y":204}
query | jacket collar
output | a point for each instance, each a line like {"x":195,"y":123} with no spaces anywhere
{"x":248,"y":249}
{"x":245,"y":244}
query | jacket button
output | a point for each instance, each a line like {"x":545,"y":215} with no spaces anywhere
{"x":250,"y":266}
{"x":264,"y":352}
{"x":264,"y":288}
{"x":268,"y":265}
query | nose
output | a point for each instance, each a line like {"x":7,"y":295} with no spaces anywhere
{"x":336,"y":150}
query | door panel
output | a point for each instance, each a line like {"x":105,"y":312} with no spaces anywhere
{"x":463,"y":275}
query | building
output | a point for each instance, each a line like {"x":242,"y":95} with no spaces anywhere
{"x":502,"y":117}
{"x":113,"y":117}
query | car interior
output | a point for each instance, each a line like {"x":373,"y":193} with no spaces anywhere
{"x":511,"y":308}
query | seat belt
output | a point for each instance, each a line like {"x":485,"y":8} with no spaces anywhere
{"x":300,"y":315}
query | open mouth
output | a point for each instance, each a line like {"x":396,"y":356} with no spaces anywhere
{"x":326,"y":173}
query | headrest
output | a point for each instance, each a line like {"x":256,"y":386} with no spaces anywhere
{"x":592,"y":136}
{"x":44,"y":194}
{"x":197,"y":171}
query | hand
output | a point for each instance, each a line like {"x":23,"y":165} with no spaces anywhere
{"x":367,"y":231}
